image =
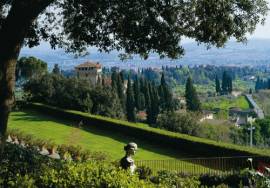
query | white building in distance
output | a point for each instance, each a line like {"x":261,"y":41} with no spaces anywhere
{"x":89,"y":70}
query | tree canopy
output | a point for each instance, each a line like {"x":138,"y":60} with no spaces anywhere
{"x":134,"y":26}
{"x":27,"y":67}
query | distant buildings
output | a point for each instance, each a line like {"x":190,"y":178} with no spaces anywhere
{"x":207,"y":115}
{"x":91,"y":71}
{"x":239,"y":116}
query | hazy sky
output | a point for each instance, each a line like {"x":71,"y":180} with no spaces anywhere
{"x":263,"y":31}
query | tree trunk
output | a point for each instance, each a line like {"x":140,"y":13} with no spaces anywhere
{"x":12,"y":35}
{"x":7,"y":67}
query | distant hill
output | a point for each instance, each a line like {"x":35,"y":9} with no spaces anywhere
{"x":254,"y":53}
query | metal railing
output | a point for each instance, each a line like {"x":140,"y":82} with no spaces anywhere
{"x":198,"y":166}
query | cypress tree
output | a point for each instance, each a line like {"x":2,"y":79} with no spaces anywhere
{"x":141,"y":101}
{"x":162,"y":80}
{"x":114,"y":80}
{"x":230,"y":86}
{"x":120,"y":89}
{"x":218,"y":89}
{"x":130,"y":103}
{"x":136,"y":88}
{"x":257,"y":84}
{"x":122,"y":78}
{"x":224,"y":82}
{"x":147,"y":95}
{"x":192,"y":99}
{"x":154,"y":110}
{"x":165,"y":95}
{"x":56,"y":69}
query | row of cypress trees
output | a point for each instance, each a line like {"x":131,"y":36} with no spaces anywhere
{"x":143,"y":95}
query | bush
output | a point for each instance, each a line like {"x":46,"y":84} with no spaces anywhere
{"x":174,"y":180}
{"x":216,"y":180}
{"x":144,"y":172}
{"x":26,"y":168}
{"x":179,"y":122}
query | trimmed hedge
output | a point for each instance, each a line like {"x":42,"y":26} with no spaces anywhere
{"x":196,"y":147}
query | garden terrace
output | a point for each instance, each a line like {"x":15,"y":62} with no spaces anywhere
{"x":186,"y":145}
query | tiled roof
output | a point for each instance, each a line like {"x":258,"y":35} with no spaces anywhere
{"x":89,"y":64}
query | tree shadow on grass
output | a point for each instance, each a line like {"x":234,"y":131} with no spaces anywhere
{"x":31,"y":115}
{"x":144,"y":144}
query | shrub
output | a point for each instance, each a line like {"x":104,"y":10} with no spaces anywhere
{"x":144,"y":172}
{"x":169,"y":179}
{"x":26,"y":168}
{"x":179,"y":122}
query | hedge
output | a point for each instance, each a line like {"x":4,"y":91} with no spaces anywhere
{"x":196,"y":147}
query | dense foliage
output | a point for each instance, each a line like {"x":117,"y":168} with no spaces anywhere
{"x":52,"y":89}
{"x":261,"y":134}
{"x":201,"y":75}
{"x":28,"y":67}
{"x":179,"y":122}
{"x":25,"y":168}
{"x":20,"y":167}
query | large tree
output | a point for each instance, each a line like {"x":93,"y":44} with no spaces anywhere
{"x":135,"y":26}
{"x":28,"y":67}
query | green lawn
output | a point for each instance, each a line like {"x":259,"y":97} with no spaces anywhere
{"x":224,"y":103}
{"x":63,"y":132}
{"x":112,"y":143}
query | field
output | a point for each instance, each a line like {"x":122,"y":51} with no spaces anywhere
{"x":63,"y":132}
{"x":179,"y":90}
{"x":225,"y":102}
{"x":238,"y":85}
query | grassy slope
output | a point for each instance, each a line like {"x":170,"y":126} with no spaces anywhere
{"x":157,"y":132}
{"x":62,"y":132}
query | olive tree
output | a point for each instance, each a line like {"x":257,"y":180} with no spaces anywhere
{"x":133,"y":26}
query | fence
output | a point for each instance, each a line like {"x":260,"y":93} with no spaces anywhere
{"x":198,"y":166}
